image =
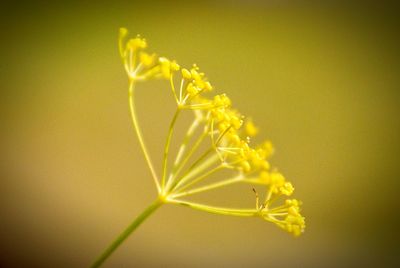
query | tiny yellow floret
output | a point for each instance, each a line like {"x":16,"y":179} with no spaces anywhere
{"x":250,"y":128}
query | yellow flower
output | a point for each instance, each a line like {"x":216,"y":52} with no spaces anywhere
{"x":215,"y":124}
{"x":287,"y":217}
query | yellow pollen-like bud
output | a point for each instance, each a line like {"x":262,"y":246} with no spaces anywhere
{"x":191,"y":89}
{"x":245,"y":165}
{"x":122,"y":32}
{"x":195,"y":67}
{"x":147,"y":59}
{"x":186,"y":74}
{"x":265,"y":165}
{"x":264,"y":177}
{"x":207,"y":86}
{"x":175,"y":66}
{"x":296,"y":230}
{"x":136,"y":43}
{"x":292,"y":202}
{"x":250,"y":128}
{"x":287,"y":189}
{"x":277,"y":179}
{"x":236,"y":122}
{"x":195,"y":74}
{"x":200,"y":83}
{"x":234,"y":139}
{"x":167,"y":67}
{"x":293,"y":211}
{"x":222,"y":100}
{"x":223,"y":126}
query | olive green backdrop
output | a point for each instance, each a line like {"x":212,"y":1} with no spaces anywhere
{"x":321,"y":81}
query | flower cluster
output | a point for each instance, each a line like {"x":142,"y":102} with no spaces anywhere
{"x":227,"y":131}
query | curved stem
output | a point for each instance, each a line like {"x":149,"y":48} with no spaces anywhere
{"x":171,"y":80}
{"x":139,"y":133}
{"x":200,"y":178}
{"x":184,"y":144}
{"x":167,"y":144}
{"x":199,"y":160}
{"x":124,"y":235}
{"x":194,"y":148}
{"x":192,"y":172}
{"x":181,"y":151}
{"x":216,"y":210}
{"x":209,"y":187}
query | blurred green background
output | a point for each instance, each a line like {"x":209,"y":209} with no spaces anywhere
{"x":321,"y":81}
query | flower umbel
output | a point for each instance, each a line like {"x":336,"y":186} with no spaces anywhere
{"x":216,"y":125}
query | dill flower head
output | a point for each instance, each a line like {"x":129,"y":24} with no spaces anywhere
{"x":225,"y":129}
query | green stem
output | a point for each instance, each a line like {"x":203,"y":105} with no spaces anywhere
{"x":192,"y":172}
{"x":184,"y":144}
{"x":200,"y":178}
{"x":167,"y":145}
{"x":194,"y":148}
{"x":216,"y":210}
{"x":209,"y":187}
{"x":181,"y":151}
{"x":124,"y":235}
{"x":139,"y":134}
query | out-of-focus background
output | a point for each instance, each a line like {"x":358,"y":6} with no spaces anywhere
{"x":321,"y":81}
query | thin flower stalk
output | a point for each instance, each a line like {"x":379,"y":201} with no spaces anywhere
{"x":222,"y":130}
